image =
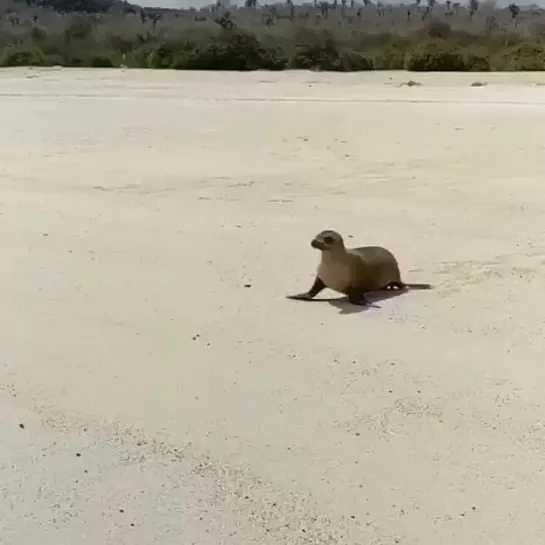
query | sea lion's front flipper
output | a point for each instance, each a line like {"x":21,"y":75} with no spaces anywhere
{"x":316,"y":288}
{"x":300,"y":297}
{"x":356,"y":297}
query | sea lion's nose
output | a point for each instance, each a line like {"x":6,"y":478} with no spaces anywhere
{"x":316,"y":244}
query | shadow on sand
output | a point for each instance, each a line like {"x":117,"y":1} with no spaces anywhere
{"x":374,"y":297}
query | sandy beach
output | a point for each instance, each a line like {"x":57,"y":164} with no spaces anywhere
{"x":156,"y":386}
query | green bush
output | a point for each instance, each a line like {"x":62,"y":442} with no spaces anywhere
{"x":22,"y":55}
{"x":232,"y":50}
{"x":522,"y":57}
{"x":353,"y":61}
{"x":53,"y":60}
{"x":84,"y":41}
{"x":441,"y":57}
{"x":318,"y":52}
{"x":477,"y":63}
{"x":526,"y":64}
{"x":160,"y":56}
{"x":140,"y":56}
{"x":389,"y":59}
{"x":100,"y":61}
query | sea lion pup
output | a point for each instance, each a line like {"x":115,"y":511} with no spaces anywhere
{"x":354,"y":271}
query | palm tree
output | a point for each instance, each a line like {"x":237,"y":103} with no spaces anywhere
{"x":515,"y":10}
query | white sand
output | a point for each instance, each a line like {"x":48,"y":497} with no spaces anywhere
{"x":134,"y":208}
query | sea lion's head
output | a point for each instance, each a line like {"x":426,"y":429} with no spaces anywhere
{"x":328,"y":241}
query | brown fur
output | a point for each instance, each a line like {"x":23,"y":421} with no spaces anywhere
{"x":354,"y":271}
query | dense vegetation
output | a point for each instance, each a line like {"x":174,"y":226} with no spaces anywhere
{"x":338,"y":36}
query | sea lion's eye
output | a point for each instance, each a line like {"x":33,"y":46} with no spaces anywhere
{"x":328,"y":240}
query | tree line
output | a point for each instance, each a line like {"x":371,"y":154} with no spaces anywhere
{"x":333,"y":36}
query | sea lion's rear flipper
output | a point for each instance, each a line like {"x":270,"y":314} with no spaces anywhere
{"x":396,"y":286}
{"x":316,"y":288}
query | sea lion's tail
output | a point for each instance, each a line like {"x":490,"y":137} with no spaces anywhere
{"x":417,"y":286}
